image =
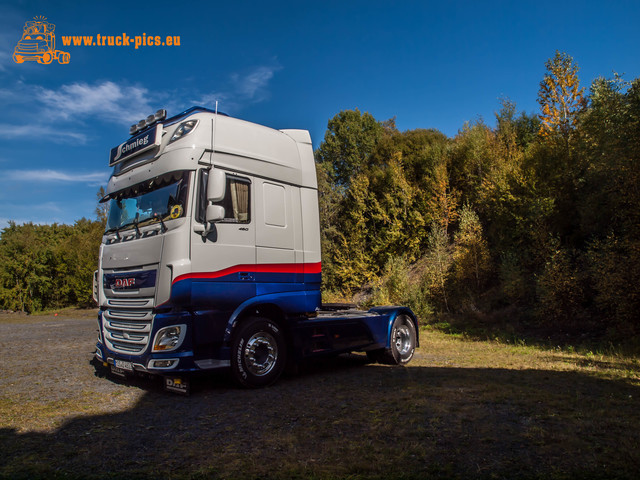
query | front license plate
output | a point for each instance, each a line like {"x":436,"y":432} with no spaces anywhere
{"x":118,"y":371}
{"x":121,"y":364}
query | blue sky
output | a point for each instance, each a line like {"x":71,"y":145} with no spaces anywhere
{"x":283,"y":64}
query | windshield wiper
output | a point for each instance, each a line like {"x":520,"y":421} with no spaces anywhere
{"x":159,"y":217}
{"x":114,"y":229}
{"x":135,"y":224}
{"x":126,"y":225}
{"x":155,"y":219}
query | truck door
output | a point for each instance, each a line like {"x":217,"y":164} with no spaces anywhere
{"x":223,"y":262}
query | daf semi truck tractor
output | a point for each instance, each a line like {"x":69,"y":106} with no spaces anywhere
{"x":211,"y":257}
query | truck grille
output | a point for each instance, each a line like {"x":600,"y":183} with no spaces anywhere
{"x":127,"y":324}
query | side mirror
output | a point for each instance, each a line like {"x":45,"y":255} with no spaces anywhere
{"x":215,"y":213}
{"x":216,"y":186}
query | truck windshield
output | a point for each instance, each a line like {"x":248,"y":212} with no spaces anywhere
{"x":157,"y":200}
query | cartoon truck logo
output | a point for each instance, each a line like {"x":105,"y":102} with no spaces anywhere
{"x":38,"y":43}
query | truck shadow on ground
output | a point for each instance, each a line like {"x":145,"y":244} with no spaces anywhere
{"x":343,"y":418}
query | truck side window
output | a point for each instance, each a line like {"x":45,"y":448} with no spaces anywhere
{"x":237,"y":200}
{"x":201,"y":203}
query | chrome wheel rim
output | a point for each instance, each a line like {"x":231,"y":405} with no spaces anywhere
{"x":402,"y":339}
{"x":261,"y":353}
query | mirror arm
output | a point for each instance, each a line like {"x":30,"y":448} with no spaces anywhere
{"x":207,"y":230}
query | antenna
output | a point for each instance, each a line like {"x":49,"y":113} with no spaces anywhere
{"x":213,"y":140}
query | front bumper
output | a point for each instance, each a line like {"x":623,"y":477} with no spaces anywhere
{"x":170,"y":363}
{"x":183,"y":360}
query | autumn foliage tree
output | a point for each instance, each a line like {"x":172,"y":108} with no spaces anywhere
{"x":560,"y":96}
{"x":537,"y":216}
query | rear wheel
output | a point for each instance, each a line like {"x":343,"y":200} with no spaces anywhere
{"x":402,"y":343}
{"x":258,"y":353}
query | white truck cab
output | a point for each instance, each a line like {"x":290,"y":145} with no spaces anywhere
{"x":211,"y":256}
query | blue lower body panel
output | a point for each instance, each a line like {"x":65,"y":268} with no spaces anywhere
{"x":347,"y":331}
{"x":206,"y":344}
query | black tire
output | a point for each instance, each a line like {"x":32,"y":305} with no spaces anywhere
{"x":258,"y":353}
{"x":402,"y":343}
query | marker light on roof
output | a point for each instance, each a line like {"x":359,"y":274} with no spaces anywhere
{"x":183,"y":130}
{"x":147,"y":122}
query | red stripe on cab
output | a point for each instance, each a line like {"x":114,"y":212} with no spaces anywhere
{"x":308,"y":268}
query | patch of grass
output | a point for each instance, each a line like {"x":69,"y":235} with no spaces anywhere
{"x":513,"y":327}
{"x":462,"y":409}
{"x":48,"y":316}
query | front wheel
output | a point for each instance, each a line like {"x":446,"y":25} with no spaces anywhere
{"x":258,"y":353}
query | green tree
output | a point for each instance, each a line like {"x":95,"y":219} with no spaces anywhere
{"x":470,"y":252}
{"x":609,"y":213}
{"x":439,"y":260}
{"x":48,"y":266}
{"x":350,"y":138}
{"x":397,"y":226}
{"x":350,"y":252}
{"x":102,"y":209}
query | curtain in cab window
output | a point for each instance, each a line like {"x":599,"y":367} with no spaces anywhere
{"x":240,"y":200}
{"x":236,"y":200}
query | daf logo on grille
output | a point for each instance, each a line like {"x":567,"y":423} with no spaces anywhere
{"x":125,"y":282}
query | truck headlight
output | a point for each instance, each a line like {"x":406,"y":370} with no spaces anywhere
{"x":184,"y":129}
{"x":169,"y":338}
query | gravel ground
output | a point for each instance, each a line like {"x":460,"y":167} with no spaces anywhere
{"x":460,"y":410}
{"x":48,"y":356}
{"x":46,"y":376}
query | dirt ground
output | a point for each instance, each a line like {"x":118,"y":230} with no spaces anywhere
{"x":459,"y":410}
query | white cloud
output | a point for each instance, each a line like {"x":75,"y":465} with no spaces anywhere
{"x":252,"y":86}
{"x":57,"y":135}
{"x":106,"y":100}
{"x":209,"y":99}
{"x":7,"y":45}
{"x":242,"y":90}
{"x":68,"y":106}
{"x":93,"y":178}
{"x":4,"y":58}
